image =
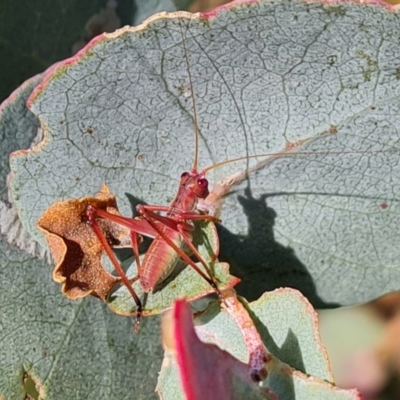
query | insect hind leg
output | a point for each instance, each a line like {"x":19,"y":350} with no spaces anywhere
{"x":91,"y":213}
{"x":147,"y":212}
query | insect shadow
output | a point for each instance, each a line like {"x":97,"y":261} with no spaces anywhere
{"x":262,"y":263}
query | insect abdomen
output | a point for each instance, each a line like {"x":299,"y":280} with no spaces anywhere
{"x":160,"y":260}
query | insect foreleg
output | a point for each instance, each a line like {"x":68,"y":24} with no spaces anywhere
{"x":179,"y":217}
{"x":198,"y":217}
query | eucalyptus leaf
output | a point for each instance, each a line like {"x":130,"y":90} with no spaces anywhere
{"x":19,"y":128}
{"x":267,"y":76}
{"x":50,"y":345}
{"x":72,"y":350}
{"x":187,"y":284}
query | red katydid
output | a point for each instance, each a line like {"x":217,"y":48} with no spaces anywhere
{"x":171,"y":232}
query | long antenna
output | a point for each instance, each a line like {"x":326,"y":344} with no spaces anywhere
{"x":196,"y":127}
{"x":293,"y":153}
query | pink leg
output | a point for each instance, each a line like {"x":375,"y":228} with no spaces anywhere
{"x":92,"y":213}
{"x":180,"y":218}
{"x":190,"y":244}
{"x":136,"y":227}
{"x":147,"y":213}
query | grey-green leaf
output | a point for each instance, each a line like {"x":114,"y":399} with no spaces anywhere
{"x":71,"y":350}
{"x":19,"y":128}
{"x":267,"y":76}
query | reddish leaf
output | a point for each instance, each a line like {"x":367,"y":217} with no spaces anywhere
{"x":206,"y":371}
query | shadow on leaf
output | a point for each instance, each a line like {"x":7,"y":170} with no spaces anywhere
{"x":259,"y":260}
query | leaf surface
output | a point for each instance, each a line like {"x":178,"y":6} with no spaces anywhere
{"x":68,"y":349}
{"x":282,"y":75}
{"x":72,"y":349}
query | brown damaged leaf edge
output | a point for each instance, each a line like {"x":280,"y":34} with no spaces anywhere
{"x":75,"y":247}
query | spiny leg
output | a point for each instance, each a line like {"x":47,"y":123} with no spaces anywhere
{"x":190,"y":244}
{"x":136,"y":227}
{"x":182,"y":228}
{"x":91,"y":213}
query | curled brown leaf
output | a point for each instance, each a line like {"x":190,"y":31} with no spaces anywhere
{"x":75,"y":247}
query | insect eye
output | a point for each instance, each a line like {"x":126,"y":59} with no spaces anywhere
{"x":184,"y":174}
{"x":203,"y":183}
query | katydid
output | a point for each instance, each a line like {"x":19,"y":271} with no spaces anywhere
{"x":171,"y":232}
